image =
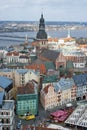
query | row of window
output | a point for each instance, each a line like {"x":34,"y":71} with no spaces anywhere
{"x":6,"y":128}
{"x":7,"y":121}
{"x":4,"y":113}
{"x":26,"y":107}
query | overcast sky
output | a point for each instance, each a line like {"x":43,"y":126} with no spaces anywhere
{"x":53,"y":10}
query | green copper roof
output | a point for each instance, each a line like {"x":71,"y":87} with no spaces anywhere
{"x":49,"y":65}
{"x":52,"y":78}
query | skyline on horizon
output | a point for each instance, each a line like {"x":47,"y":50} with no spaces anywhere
{"x":53,"y":10}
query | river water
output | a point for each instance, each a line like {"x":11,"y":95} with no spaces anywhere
{"x":11,"y":37}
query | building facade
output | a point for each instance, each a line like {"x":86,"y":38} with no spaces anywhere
{"x":20,"y":76}
{"x":81,"y":83}
{"x":7,"y":116}
{"x":48,"y":97}
{"x":58,"y":93}
{"x":27,"y":99}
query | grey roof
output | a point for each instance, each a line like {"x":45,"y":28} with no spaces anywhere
{"x":5,"y":82}
{"x":1,"y":97}
{"x":64,"y":84}
{"x":22,"y":71}
{"x":80,"y":80}
{"x":50,"y":54}
{"x":8,"y":105}
{"x":5,"y":70}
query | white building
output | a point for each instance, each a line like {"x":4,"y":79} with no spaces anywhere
{"x":76,"y":56}
{"x":7,"y":120}
{"x":52,"y":43}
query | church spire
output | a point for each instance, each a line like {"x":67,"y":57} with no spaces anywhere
{"x":26,"y":38}
{"x":42,"y":23}
{"x":41,"y":33}
{"x":68,"y":33}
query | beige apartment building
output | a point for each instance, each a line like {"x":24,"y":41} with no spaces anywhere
{"x":20,"y":76}
{"x":48,"y":97}
{"x":58,"y":93}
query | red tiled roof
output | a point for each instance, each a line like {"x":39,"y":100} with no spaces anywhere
{"x":46,"y":88}
{"x":40,"y":67}
{"x":13,"y":53}
{"x":28,"y":89}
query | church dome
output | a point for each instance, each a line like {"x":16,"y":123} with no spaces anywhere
{"x":41,"y":35}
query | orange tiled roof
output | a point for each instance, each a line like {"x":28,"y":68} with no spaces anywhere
{"x":67,"y":39}
{"x":34,"y":43}
{"x":83,"y":46}
{"x":40,"y":67}
{"x":52,"y":39}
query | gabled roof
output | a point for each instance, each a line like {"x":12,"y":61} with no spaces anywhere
{"x":50,"y":54}
{"x":5,"y":82}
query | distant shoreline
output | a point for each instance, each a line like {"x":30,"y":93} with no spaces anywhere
{"x":25,"y":26}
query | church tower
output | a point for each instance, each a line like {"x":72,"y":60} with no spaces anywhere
{"x":41,"y":37}
{"x":41,"y":33}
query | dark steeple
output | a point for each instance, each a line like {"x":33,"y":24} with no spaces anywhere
{"x":41,"y":33}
